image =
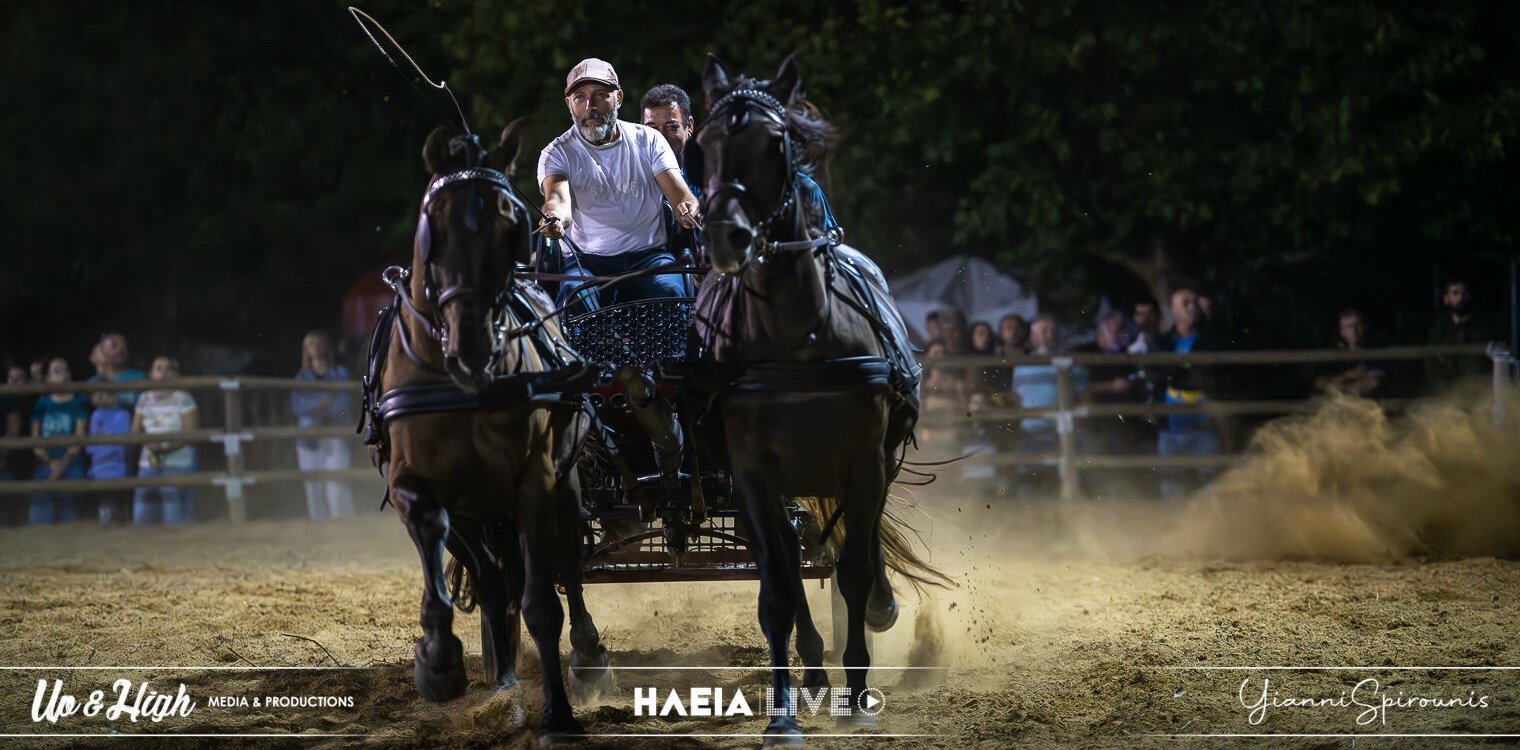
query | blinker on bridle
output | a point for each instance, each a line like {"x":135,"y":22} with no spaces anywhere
{"x":397,"y":281}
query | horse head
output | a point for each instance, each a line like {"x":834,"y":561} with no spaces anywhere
{"x":749,"y":160}
{"x":473,"y":228}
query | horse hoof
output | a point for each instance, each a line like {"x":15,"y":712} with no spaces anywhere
{"x":504,"y":683}
{"x":882,"y":619}
{"x":783,"y":731}
{"x":568,"y":733}
{"x":855,"y":720}
{"x":589,"y":677}
{"x":442,"y":682}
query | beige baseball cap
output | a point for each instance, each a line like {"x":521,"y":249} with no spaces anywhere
{"x":594,"y":70}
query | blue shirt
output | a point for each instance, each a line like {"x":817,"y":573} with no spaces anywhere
{"x":308,"y":407}
{"x":58,"y":419}
{"x":1039,"y":388}
{"x":1180,"y":422}
{"x":814,"y":204}
{"x":109,"y":461}
{"x":127,"y":399}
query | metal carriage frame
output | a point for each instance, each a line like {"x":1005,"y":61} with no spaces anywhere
{"x":644,"y":519}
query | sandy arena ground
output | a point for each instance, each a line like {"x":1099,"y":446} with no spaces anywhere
{"x":1350,"y":542}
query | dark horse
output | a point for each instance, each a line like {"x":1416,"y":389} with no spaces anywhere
{"x":472,"y":435}
{"x":824,"y":390}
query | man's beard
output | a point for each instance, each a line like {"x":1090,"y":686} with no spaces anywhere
{"x":598,"y":133}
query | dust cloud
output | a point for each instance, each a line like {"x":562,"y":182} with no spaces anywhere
{"x":1345,"y":483}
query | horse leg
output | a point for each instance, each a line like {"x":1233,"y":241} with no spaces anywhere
{"x":589,"y":661}
{"x":773,"y":542}
{"x":499,"y":616}
{"x":542,"y":611}
{"x":439,"y":667}
{"x":863,"y":500}
{"x":881,"y":607}
{"x":809,"y":645}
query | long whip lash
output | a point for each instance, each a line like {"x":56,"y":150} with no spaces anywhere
{"x":365,"y":20}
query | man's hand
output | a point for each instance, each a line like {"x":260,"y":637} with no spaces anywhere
{"x":551,"y":227}
{"x":56,"y":467}
{"x":689,"y":215}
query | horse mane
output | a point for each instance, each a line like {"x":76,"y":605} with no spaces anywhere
{"x":810,"y":130}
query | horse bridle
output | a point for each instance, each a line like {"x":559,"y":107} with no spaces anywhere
{"x":734,"y":110}
{"x":736,"y":106}
{"x":397,"y":278}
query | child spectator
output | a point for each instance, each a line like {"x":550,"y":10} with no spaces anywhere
{"x":57,"y":415}
{"x":162,"y":411}
{"x":15,"y":463}
{"x":327,"y":498}
{"x":110,"y":461}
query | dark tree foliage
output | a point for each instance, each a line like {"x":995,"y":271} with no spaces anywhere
{"x":220,"y":170}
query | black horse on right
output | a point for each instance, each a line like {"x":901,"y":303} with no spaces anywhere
{"x":822,"y":386}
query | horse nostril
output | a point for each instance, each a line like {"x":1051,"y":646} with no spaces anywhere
{"x":739,"y":237}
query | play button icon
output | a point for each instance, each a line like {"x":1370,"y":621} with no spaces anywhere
{"x":871,"y":701}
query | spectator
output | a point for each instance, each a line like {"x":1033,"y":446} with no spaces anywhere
{"x":326,"y":498}
{"x":1356,"y":378}
{"x":1457,"y":324}
{"x":1013,"y":335}
{"x":38,"y":371}
{"x":943,"y":391}
{"x":1147,"y":325}
{"x":934,"y":328}
{"x":982,"y":341}
{"x":15,"y":463}
{"x":110,"y":360}
{"x":110,"y":461}
{"x":985,"y":379}
{"x":57,"y":415}
{"x":1038,"y":387}
{"x":954,"y":332}
{"x":1114,"y":434}
{"x":162,"y":411}
{"x":1186,"y":434}
{"x":979,"y":476}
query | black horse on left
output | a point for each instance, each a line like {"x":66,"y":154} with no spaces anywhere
{"x":473,"y":416}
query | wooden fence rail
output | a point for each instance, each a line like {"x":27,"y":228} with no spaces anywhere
{"x":233,"y":435}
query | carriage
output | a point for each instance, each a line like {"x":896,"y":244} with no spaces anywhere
{"x":482,"y":402}
{"x":654,"y":506}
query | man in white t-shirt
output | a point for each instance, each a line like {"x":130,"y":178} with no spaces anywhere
{"x":603,"y":182}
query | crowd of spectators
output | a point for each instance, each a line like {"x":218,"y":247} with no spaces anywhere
{"x":170,"y":412}
{"x":959,"y":390}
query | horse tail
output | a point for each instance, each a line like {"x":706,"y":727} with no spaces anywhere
{"x":897,"y":549}
{"x":461,"y":585}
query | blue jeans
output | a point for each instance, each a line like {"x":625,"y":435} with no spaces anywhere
{"x":1177,"y":482}
{"x":161,"y":505}
{"x":55,"y":507}
{"x":646,"y":287}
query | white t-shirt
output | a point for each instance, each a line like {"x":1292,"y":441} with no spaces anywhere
{"x":166,"y":414}
{"x":615,"y":201}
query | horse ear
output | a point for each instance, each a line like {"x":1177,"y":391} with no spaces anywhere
{"x":435,"y":153}
{"x":715,"y":79}
{"x":504,"y":157}
{"x":787,"y":85}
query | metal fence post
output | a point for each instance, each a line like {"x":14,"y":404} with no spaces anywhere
{"x":237,"y":507}
{"x":1066,"y":427}
{"x":1503,"y":361}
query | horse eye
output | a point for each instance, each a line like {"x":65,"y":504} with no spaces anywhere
{"x":504,"y":206}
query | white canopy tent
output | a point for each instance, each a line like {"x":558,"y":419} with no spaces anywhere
{"x":973,"y":285}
